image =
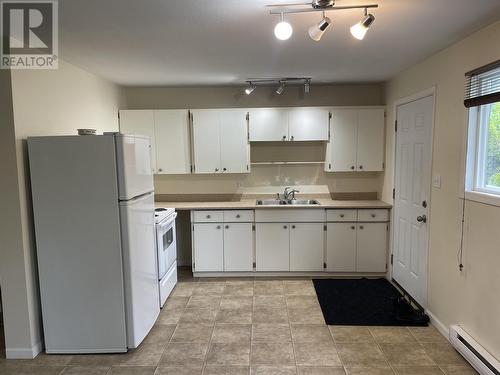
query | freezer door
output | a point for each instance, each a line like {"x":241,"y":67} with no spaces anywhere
{"x":140,"y":268}
{"x":135,"y":176}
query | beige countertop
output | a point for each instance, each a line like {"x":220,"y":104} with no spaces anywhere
{"x":250,"y":203}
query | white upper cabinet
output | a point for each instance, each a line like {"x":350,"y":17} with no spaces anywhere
{"x":371,"y":129}
{"x":220,"y":141}
{"x":206,"y":141}
{"x":356,"y":140}
{"x":288,"y":124}
{"x":234,"y":147}
{"x":172,"y":140}
{"x":140,"y":122}
{"x":308,"y":124}
{"x":268,"y":124}
{"x":169,"y":133}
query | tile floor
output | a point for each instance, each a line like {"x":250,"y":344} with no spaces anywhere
{"x":260,"y":327}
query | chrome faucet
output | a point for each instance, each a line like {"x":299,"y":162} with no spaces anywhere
{"x":289,"y":192}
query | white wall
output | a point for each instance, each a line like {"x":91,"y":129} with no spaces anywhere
{"x":470,"y":298}
{"x":265,"y":176}
{"x":44,"y":103}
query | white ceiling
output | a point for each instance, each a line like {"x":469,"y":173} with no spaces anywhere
{"x":224,"y":42}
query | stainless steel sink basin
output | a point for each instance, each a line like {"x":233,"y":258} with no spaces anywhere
{"x":281,"y":202}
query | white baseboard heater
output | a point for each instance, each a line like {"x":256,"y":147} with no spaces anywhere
{"x":475,"y":354}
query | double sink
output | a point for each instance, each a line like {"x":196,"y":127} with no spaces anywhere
{"x":287,"y":202}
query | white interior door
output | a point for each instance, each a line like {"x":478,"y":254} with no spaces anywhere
{"x":343,"y":142}
{"x":234,"y":147}
{"x":206,"y":141}
{"x":172,"y":139}
{"x":268,"y":124}
{"x":412,"y":184}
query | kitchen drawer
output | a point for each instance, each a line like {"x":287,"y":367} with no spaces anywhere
{"x":290,"y":215}
{"x":373,"y":215}
{"x":235,"y":216}
{"x":341,"y":215}
{"x":208,"y":216}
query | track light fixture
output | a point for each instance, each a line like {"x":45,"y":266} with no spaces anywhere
{"x":359,"y":30}
{"x":251,"y":87}
{"x":283,"y":30}
{"x":316,"y":31}
{"x":278,"y":84}
{"x":280,"y":88}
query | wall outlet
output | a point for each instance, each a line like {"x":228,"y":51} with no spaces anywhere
{"x":436,"y":181}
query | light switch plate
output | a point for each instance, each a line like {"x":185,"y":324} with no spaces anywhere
{"x":436,"y":181}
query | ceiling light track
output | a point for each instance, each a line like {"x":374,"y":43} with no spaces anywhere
{"x":327,"y":9}
{"x":279,"y":83}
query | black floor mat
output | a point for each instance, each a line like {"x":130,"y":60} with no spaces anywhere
{"x":367,"y":302}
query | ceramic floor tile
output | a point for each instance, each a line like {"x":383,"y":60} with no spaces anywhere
{"x":178,"y":370}
{"x":418,"y":370}
{"x":184,"y":354}
{"x":299,"y":288}
{"x":272,"y":354}
{"x":269,"y":315}
{"x":361,"y":354}
{"x":86,"y":370}
{"x":234,"y":316}
{"x":145,"y":355}
{"x":200,"y":316}
{"x":36,"y":370}
{"x":444,"y":354}
{"x":50,"y":360}
{"x":96,"y":359}
{"x":392,"y":334}
{"x":228,"y":333}
{"x":459,"y":370}
{"x":189,"y":332}
{"x":183,"y":290}
{"x":311,"y":333}
{"x":321,"y":370}
{"x":351,"y":334}
{"x":302,"y":301}
{"x":316,"y":354}
{"x":230,"y":302}
{"x":232,"y":354}
{"x":274,"y":287}
{"x":204,"y":302}
{"x":174,"y":303}
{"x":404,"y":354}
{"x":139,"y":370}
{"x":269,"y":302}
{"x":169,"y":316}
{"x":273,"y":370}
{"x":427,"y":334}
{"x":228,"y":370}
{"x":160,"y":334}
{"x":239,"y":288}
{"x":209,"y":288}
{"x":306,"y":315}
{"x":273,"y":332}
{"x":367,"y":370}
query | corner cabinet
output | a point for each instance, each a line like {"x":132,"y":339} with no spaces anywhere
{"x":220,"y":141}
{"x":169,"y":133}
{"x":356,"y":140}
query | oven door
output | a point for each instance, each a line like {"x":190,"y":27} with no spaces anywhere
{"x":166,"y":244}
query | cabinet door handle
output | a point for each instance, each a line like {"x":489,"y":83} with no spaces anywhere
{"x":353,"y":167}
{"x":160,"y":170}
{"x":360,"y":167}
{"x":292,"y":138}
{"x":293,"y":226}
{"x":224,"y":169}
{"x":238,"y":216}
{"x":208,"y":216}
{"x":342,"y":215}
{"x":217,"y":169}
{"x":373,"y":215}
{"x":285,"y":227}
{"x":284,"y":138}
{"x":353,"y":227}
{"x":218,"y":227}
{"x":361,"y":227}
{"x":227,"y":226}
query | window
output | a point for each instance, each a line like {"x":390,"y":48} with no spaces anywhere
{"x":483,"y":156}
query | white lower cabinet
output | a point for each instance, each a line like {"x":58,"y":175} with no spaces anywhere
{"x":341,"y":247}
{"x":307,"y":246}
{"x":272,"y":246}
{"x":238,"y":247}
{"x":208,"y":244}
{"x":371,"y":247}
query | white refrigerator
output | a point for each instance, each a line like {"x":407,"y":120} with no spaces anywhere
{"x":93,"y":208}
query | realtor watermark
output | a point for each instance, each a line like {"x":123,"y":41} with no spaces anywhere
{"x":29,"y":34}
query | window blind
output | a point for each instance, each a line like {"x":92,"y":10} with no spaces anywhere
{"x":482,"y":85}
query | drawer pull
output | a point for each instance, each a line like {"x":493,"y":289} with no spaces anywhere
{"x":238,"y":216}
{"x":218,"y":227}
{"x":208,"y":216}
{"x":361,"y":227}
{"x":342,"y":215}
{"x":227,"y":226}
{"x":353,"y":227}
{"x":373,"y":215}
{"x":293,"y":226}
{"x":285,"y":227}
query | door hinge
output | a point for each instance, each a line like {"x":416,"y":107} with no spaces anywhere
{"x":194,"y":168}
{"x":383,"y":165}
{"x":248,"y":116}
{"x":329,"y":115}
{"x":253,"y":227}
{"x":254,"y":265}
{"x":396,"y":125}
{"x":324,"y":265}
{"x":248,"y":168}
{"x":324,"y":227}
{"x":118,"y":115}
{"x":392,"y":258}
{"x":191,"y":169}
{"x":393,"y":193}
{"x":193,"y":267}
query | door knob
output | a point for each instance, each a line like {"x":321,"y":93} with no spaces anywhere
{"x":422,"y":219}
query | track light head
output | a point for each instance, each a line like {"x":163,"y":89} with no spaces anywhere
{"x":280,"y":88}
{"x":283,"y":30}
{"x":251,"y":87}
{"x":316,"y":31}
{"x":322,"y":4}
{"x":359,"y":30}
